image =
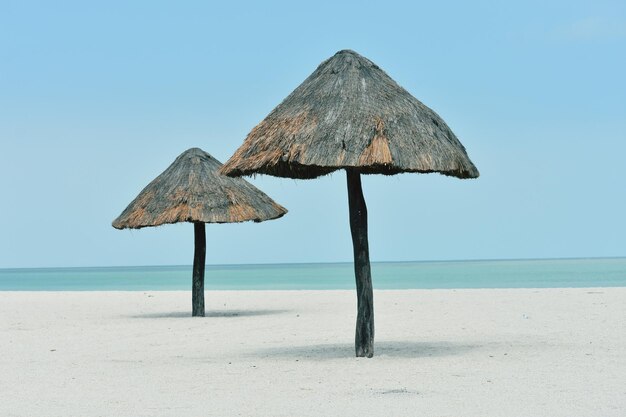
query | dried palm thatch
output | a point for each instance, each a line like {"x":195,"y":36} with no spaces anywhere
{"x":192,"y":190}
{"x":350,"y":114}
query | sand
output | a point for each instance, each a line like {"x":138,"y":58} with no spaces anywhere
{"x":517,"y":352}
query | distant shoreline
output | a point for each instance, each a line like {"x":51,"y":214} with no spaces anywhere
{"x":583,"y":258}
{"x":542,"y":273}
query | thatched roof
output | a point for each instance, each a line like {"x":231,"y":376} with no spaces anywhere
{"x":350,"y":114}
{"x":192,"y":190}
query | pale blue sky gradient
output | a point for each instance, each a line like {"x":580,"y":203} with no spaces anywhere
{"x":97,"y":98}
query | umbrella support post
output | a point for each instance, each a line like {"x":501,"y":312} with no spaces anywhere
{"x":197,"y":296}
{"x":364,"y":339}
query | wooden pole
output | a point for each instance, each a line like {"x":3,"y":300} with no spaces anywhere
{"x":364,"y":339}
{"x":197,"y":295}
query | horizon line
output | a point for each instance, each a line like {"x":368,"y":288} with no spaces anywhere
{"x":324,"y":263}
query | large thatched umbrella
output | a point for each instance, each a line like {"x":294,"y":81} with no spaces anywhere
{"x":192,"y":190}
{"x":349,"y":114}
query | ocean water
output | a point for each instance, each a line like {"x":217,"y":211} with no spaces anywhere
{"x":554,"y":273}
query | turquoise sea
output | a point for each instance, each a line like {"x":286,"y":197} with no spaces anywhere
{"x":604,"y":272}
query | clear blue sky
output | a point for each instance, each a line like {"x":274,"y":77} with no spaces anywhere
{"x":97,"y":98}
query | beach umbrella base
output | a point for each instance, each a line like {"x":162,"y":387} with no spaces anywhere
{"x":199,"y":258}
{"x":364,"y":339}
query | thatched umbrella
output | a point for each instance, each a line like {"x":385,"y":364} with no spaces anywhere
{"x":349,"y":114}
{"x":192,"y":190}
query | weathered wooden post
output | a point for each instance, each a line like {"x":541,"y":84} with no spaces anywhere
{"x":364,"y":338}
{"x":199,"y":258}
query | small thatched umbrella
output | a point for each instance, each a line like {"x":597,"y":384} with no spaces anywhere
{"x":349,"y":114}
{"x":192,"y":190}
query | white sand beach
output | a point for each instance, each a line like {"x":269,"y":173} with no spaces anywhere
{"x":514,"y":352}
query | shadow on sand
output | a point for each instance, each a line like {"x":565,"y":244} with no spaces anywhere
{"x":396,"y":349}
{"x":209,"y":314}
